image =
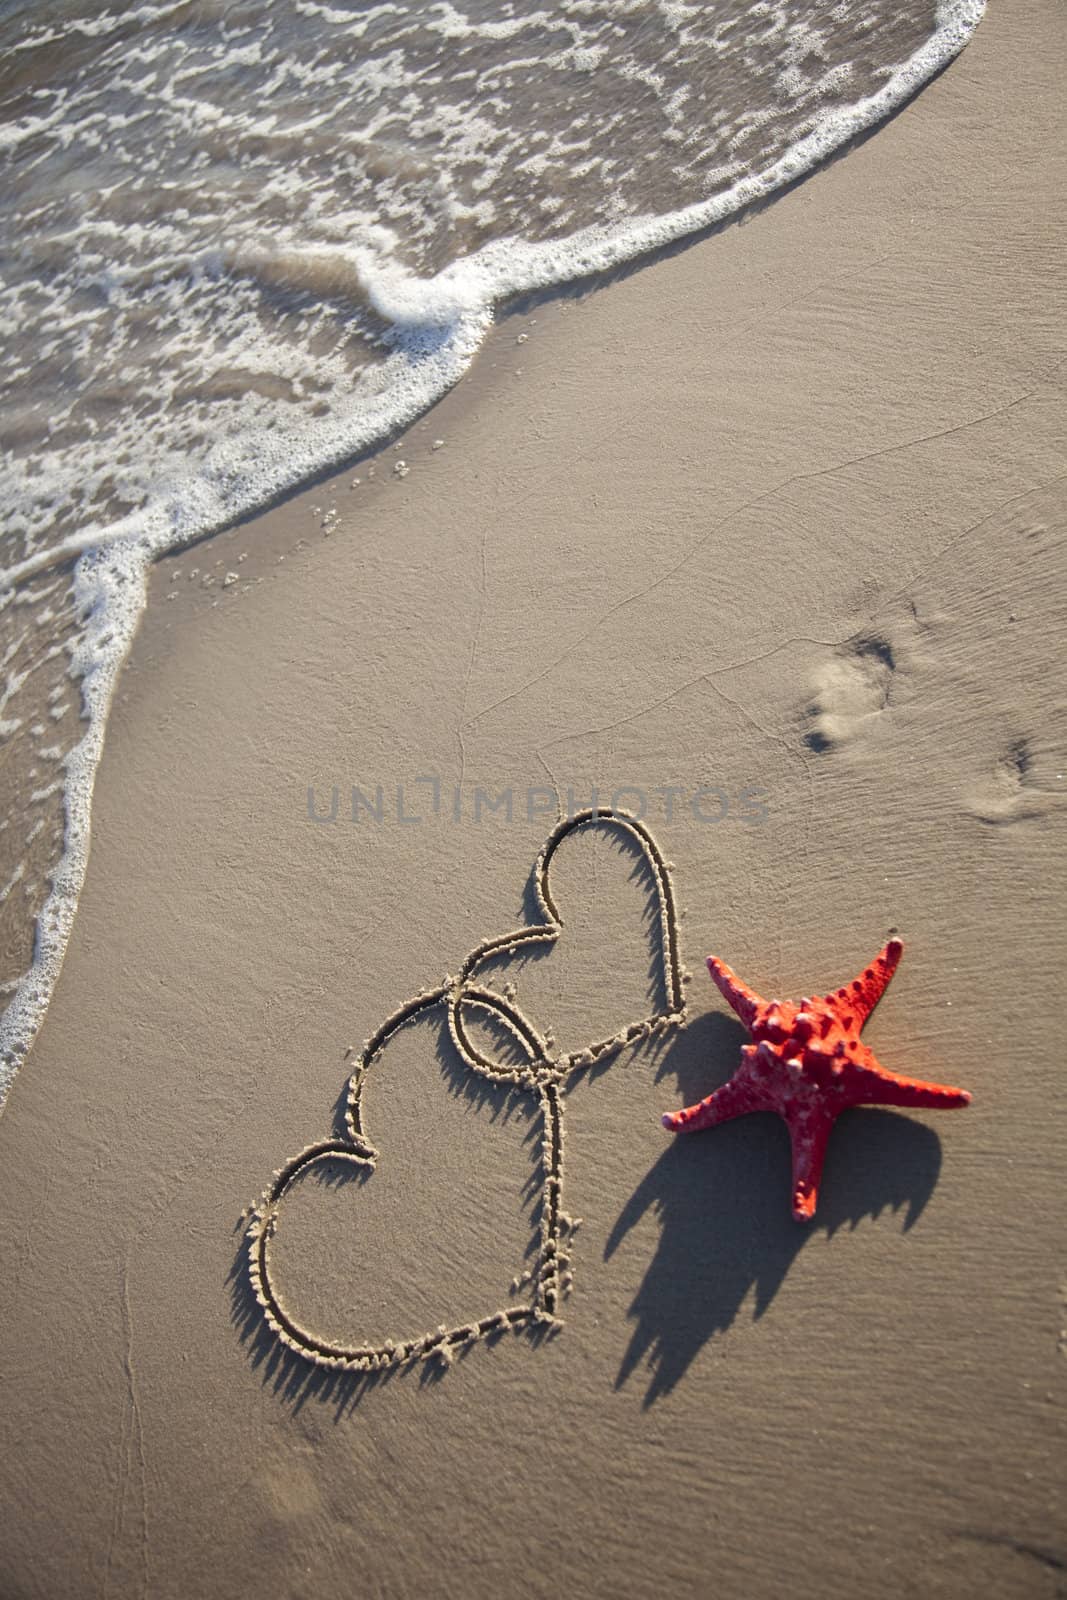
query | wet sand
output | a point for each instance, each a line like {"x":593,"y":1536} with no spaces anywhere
{"x":769,"y":536}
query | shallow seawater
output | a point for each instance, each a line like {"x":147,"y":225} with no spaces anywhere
{"x":245,"y":242}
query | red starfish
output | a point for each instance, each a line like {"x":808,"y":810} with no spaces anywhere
{"x":809,"y":1064}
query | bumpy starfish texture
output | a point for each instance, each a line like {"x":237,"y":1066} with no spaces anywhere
{"x":809,"y":1064}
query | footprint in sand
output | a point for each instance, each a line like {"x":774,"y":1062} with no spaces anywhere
{"x":1009,"y":791}
{"x":855,"y":685}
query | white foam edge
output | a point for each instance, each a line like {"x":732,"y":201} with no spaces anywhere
{"x":508,"y":267}
{"x":444,"y":320}
{"x":110,"y":591}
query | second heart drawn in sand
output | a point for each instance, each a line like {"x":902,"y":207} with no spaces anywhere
{"x":538,"y":1072}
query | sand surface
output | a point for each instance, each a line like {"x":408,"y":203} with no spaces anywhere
{"x":783,"y":513}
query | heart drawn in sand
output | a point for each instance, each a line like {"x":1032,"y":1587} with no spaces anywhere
{"x":539,"y":1073}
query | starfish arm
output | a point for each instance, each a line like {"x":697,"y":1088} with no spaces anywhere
{"x":864,"y":992}
{"x":745,"y":1001}
{"x":735,"y":1099}
{"x":809,"y":1132}
{"x":881,"y":1088}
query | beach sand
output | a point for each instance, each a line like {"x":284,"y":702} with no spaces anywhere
{"x":782,"y":512}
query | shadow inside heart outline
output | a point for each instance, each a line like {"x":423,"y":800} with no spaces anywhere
{"x":548,"y":931}
{"x":541,"y":1073}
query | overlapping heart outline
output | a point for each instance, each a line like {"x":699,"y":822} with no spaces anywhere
{"x":541,"y":1073}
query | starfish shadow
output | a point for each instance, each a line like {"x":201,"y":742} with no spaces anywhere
{"x":723,"y":1207}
